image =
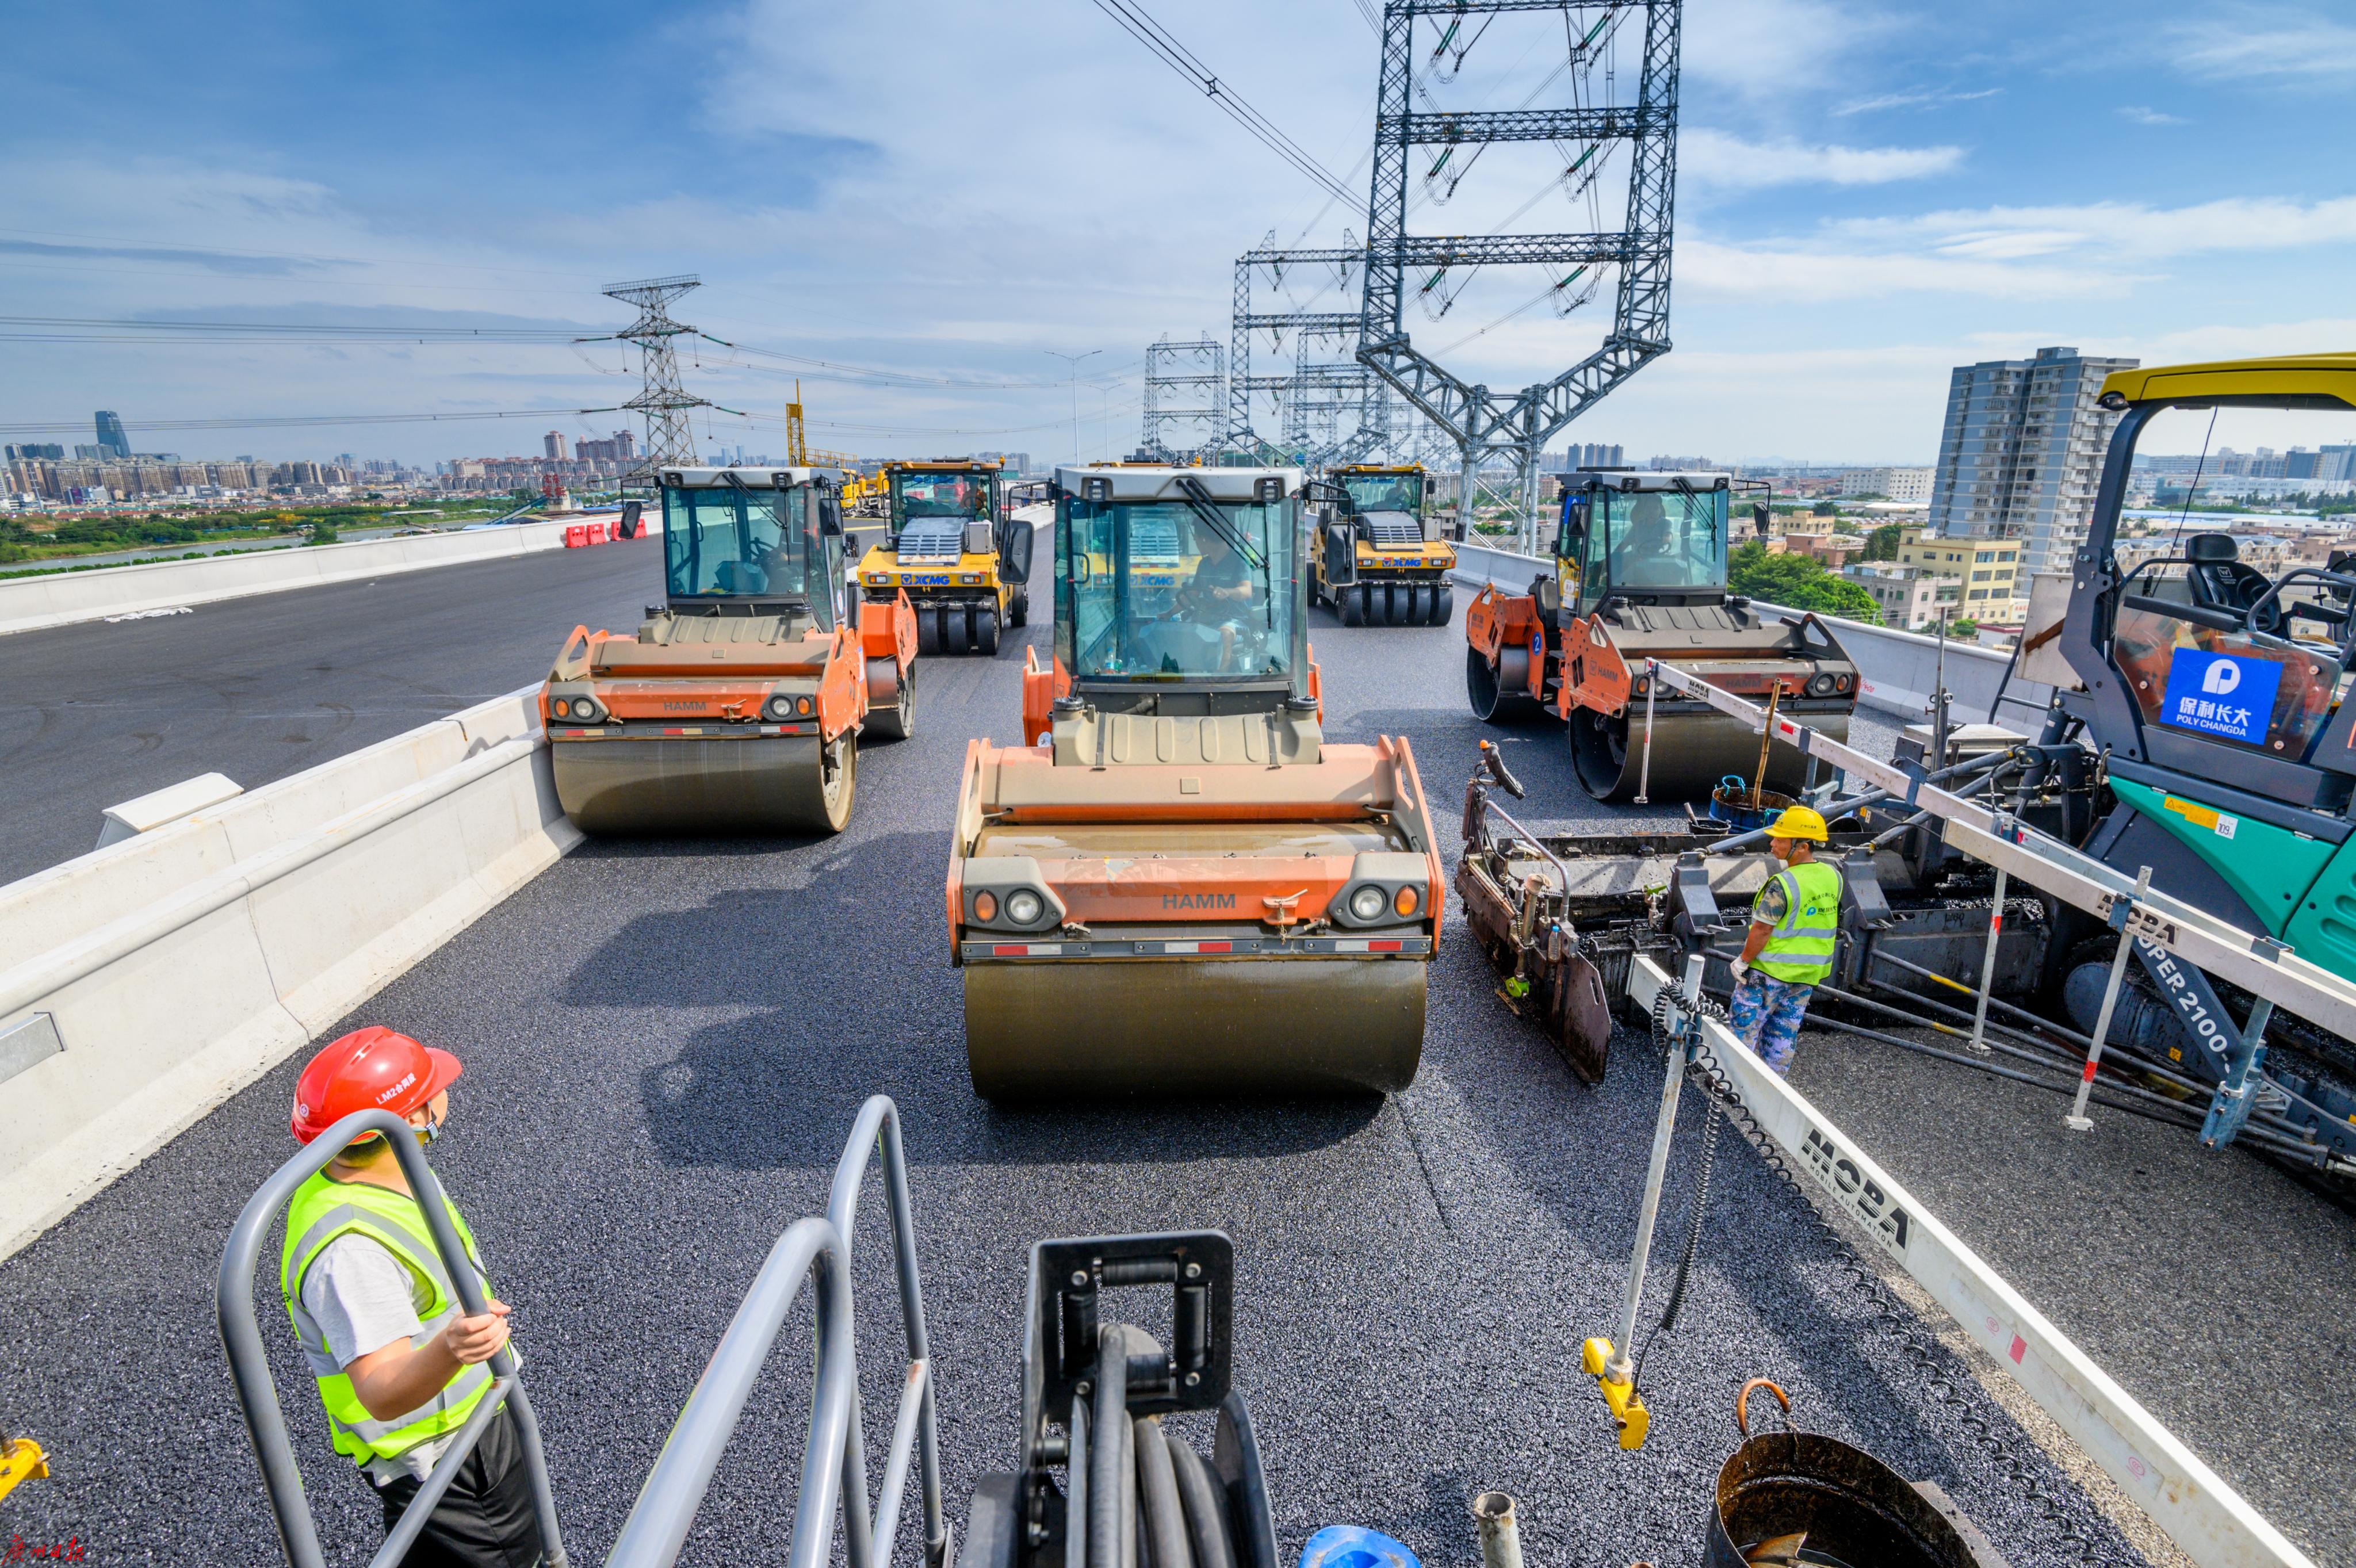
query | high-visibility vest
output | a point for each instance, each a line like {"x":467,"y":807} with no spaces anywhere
{"x":1799,"y":952}
{"x":324,"y":1210}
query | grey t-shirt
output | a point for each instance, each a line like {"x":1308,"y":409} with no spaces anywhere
{"x":363,"y":1299}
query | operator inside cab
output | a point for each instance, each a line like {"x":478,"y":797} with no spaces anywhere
{"x":1788,"y":951}
{"x":1647,"y":548}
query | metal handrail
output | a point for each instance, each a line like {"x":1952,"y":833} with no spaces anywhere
{"x":914,"y":1428}
{"x":834,"y":1465}
{"x":257,"y":1392}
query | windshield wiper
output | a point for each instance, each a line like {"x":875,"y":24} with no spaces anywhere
{"x":1204,"y":507}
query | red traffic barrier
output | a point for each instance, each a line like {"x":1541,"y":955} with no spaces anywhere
{"x":576,"y":536}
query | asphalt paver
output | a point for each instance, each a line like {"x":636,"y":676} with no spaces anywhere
{"x":665,"y":1044}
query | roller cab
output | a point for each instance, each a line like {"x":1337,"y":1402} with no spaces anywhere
{"x":739,"y":704}
{"x":953,"y":548}
{"x":1640,"y":573}
{"x":1181,"y":887}
{"x":1380,"y":558}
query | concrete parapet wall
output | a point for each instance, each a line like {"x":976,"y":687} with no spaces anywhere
{"x":178,"y":966}
{"x":1897,"y":670}
{"x":61,"y":598}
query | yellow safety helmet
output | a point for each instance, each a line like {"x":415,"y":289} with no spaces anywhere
{"x":1798,"y":822}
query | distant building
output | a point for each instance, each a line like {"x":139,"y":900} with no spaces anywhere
{"x":1891,"y":484}
{"x":1988,"y":569}
{"x":553,"y":447}
{"x":2021,"y":454}
{"x":1910,"y":599}
{"x":36,"y":451}
{"x":111,"y":442}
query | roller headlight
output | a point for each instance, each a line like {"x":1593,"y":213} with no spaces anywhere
{"x":1820,"y":685}
{"x":1368,"y":904}
{"x":1024,"y":907}
{"x":781,"y":707}
{"x":877,"y":579}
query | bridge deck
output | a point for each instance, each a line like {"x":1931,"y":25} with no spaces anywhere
{"x":662,"y":1062}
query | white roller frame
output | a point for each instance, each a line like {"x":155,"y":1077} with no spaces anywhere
{"x":2213,"y":1524}
{"x":2258,"y":964}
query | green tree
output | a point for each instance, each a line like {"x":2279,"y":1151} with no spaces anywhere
{"x":1965,"y":628}
{"x":1881,"y":545}
{"x":1797,"y":582}
{"x":325,"y":533}
{"x":1823,"y":509}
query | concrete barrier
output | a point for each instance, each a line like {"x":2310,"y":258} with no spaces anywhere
{"x":62,"y":599}
{"x":156,"y":977}
{"x":1896,"y":671}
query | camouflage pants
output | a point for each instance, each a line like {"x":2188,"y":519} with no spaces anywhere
{"x":1766,"y":1013}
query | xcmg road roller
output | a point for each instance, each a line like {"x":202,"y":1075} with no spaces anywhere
{"x":953,"y":549}
{"x":1639,"y":573}
{"x":1380,"y":558}
{"x":1175,"y":884}
{"x":739,"y":704}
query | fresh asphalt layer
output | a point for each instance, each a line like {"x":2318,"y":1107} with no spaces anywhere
{"x":665,"y":1044}
{"x":261,"y":687}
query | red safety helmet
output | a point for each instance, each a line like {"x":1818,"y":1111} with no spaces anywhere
{"x":368,"y":1069}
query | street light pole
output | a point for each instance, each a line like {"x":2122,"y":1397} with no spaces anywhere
{"x":1074,"y":360}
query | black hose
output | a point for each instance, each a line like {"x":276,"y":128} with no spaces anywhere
{"x":1112,"y":1480}
{"x":1076,"y":1482}
{"x":1206,"y":1513}
{"x":1157,"y":1487}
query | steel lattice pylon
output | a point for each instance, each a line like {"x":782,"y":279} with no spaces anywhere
{"x":1185,"y":387}
{"x":670,"y":440}
{"x":1330,"y":410}
{"x":1485,"y":424}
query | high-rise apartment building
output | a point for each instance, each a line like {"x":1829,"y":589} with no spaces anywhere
{"x":1891,"y":484}
{"x":552,"y":446}
{"x":111,"y":442}
{"x":2021,"y":454}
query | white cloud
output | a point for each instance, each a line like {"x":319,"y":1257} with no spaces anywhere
{"x":2265,"y":41}
{"x":1767,"y":48}
{"x":1719,"y":158}
{"x":1804,"y":275}
{"x":1925,"y":99}
{"x":2136,"y":113}
{"x":2132,"y":233}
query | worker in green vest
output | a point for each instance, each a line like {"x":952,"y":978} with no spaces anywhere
{"x":400,"y":1363}
{"x":1789,"y":950}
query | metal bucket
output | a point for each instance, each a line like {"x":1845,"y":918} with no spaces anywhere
{"x":1794,"y":1496}
{"x":1730,"y":803}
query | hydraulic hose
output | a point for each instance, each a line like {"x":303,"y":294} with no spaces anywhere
{"x":1112,"y":1479}
{"x":1165,"y":1522}
{"x":1206,"y":1511}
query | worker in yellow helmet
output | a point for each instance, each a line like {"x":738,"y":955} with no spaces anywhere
{"x":1789,"y":950}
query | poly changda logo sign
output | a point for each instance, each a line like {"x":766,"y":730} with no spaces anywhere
{"x":2221,"y":695}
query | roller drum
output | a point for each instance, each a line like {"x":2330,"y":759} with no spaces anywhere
{"x":1499,"y":693}
{"x":773,"y":784}
{"x":891,"y":701}
{"x":1079,"y":1028}
{"x":1692,"y":752}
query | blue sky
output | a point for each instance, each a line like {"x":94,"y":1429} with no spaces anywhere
{"x":1869,"y":194}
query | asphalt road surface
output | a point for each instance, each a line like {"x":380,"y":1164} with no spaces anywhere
{"x":261,"y":687}
{"x":665,"y":1044}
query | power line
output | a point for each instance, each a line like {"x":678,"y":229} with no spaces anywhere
{"x":293,"y":421}
{"x":1178,"y":58}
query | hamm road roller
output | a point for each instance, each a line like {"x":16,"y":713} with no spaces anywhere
{"x":739,"y":704}
{"x":1380,"y":559}
{"x":954,"y":549}
{"x":1640,"y":573}
{"x":1179,"y":885}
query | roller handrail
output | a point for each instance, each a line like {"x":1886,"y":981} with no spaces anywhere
{"x":834,"y":1465}
{"x":257,"y":1392}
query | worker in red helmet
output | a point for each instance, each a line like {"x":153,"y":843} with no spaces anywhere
{"x":400,"y":1363}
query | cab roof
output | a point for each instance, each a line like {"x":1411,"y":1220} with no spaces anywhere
{"x":1634,"y":480}
{"x":945,"y":464}
{"x":1159,"y":481}
{"x":762,"y":478}
{"x":2306,"y":379}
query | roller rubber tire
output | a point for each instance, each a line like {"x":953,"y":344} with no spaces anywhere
{"x":1443,"y":605}
{"x":985,"y":632}
{"x":1353,"y":606}
{"x":1018,"y":608}
{"x":955,"y":628}
{"x":928,"y":634}
{"x":1419,"y":605}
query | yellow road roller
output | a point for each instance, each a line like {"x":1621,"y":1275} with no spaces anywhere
{"x":1380,"y":558}
{"x":1177,"y":886}
{"x":953,"y":548}
{"x":739,"y":706}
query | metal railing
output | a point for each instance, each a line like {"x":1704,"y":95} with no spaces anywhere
{"x":834,"y":1463}
{"x":657,"y":1529}
{"x":257,"y":1392}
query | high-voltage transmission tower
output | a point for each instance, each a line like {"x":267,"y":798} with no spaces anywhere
{"x":1411,"y":132}
{"x":1185,"y":397}
{"x":1328,"y":411}
{"x":670,"y":440}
